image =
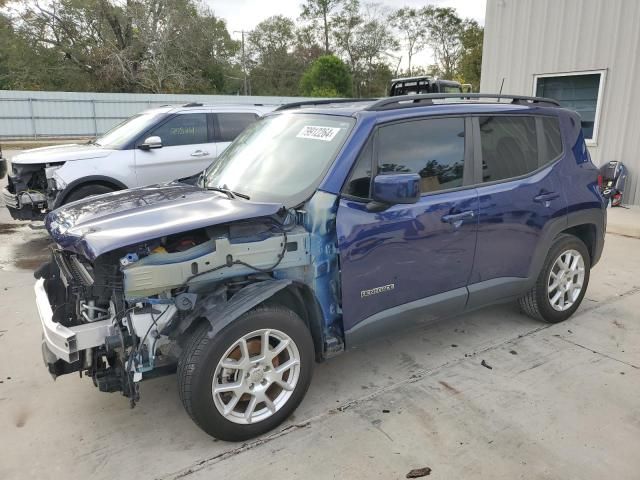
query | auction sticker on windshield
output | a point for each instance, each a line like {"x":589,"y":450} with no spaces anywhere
{"x":318,"y":133}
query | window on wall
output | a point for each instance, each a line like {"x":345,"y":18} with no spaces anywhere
{"x":578,"y":91}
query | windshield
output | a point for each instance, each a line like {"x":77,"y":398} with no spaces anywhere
{"x":281,"y":158}
{"x":126,"y":131}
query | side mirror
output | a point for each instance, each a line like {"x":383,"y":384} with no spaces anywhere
{"x":151,"y":142}
{"x":399,"y":188}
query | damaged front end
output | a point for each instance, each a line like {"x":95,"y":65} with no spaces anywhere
{"x":123,"y":316}
{"x":31,"y":190}
{"x":144,"y":276}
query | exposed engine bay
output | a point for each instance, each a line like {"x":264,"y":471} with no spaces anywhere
{"x":123,"y":316}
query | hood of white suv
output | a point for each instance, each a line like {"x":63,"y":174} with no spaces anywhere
{"x":60,"y":153}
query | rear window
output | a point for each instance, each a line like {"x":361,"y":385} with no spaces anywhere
{"x":231,"y":124}
{"x":509,"y":147}
{"x":552,"y":139}
{"x":451,"y":89}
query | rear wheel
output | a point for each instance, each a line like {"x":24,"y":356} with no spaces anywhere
{"x":562,"y":283}
{"x":87,"y":191}
{"x":248,"y":378}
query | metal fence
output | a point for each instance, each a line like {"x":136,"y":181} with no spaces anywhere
{"x":25,"y":114}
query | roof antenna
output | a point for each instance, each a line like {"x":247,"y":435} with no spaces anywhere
{"x":500,"y":92}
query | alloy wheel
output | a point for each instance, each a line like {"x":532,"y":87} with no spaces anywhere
{"x":256,"y":376}
{"x":566,"y":279}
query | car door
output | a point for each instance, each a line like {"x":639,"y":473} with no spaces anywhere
{"x":186,"y":149}
{"x":520,"y":199}
{"x":411,"y":262}
{"x":228,"y":125}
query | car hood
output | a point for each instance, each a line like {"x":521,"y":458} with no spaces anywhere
{"x":60,"y":153}
{"x":103,"y":223}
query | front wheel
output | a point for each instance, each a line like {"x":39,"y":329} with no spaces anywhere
{"x":562,"y":283}
{"x":87,"y":191}
{"x":248,"y":378}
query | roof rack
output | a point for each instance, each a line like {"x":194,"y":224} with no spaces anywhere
{"x":193,"y":104}
{"x":408,"y":101}
{"x":413,"y":79}
{"x":290,"y":106}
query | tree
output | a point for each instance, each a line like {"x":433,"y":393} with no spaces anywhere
{"x":185,"y":50}
{"x":274,"y":67}
{"x":95,"y":36}
{"x":307,"y":48}
{"x":363,"y":39}
{"x":327,"y":76}
{"x":411,"y":23}
{"x":180,"y":46}
{"x":272,"y":37}
{"x":345,"y":31}
{"x":377,"y":81}
{"x":132,"y":45}
{"x":445,"y":29}
{"x":25,"y":65}
{"x":471,"y":59}
{"x":429,"y":70}
{"x":321,"y":9}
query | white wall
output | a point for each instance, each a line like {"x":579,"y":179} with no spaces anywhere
{"x":524,"y":38}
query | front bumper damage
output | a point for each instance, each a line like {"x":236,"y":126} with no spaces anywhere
{"x":26,"y":205}
{"x":98,"y":347}
{"x":30,"y":191}
{"x":122,"y":316}
{"x":62,"y":344}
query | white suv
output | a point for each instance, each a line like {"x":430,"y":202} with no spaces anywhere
{"x":158,"y":145}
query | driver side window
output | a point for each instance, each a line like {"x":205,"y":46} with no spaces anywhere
{"x":433,"y":148}
{"x":186,"y":129}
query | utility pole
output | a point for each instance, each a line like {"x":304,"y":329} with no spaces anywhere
{"x":244,"y":61}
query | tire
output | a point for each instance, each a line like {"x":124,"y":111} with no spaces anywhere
{"x":201,"y":363}
{"x":87,"y":191}
{"x":537,"y":302}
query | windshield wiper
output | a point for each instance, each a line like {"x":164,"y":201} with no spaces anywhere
{"x":230,"y":193}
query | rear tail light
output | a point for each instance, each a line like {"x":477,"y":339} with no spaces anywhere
{"x":600,"y":181}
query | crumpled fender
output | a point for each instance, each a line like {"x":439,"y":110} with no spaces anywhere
{"x":220,"y":313}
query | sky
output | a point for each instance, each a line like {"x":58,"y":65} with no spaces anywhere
{"x":246,"y":14}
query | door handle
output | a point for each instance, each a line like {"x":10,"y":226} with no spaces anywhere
{"x":199,"y":153}
{"x":546,"y":197}
{"x":456,"y":219}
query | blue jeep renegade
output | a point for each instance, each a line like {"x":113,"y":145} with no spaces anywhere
{"x":323,"y":225}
